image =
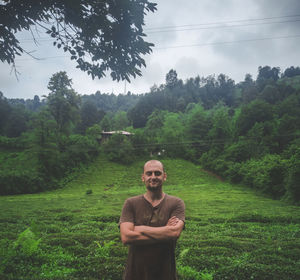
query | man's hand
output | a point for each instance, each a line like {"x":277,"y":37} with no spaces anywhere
{"x":146,"y":234}
{"x":129,"y":235}
{"x":170,"y":231}
{"x":173,"y":221}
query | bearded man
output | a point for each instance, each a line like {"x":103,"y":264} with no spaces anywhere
{"x":150,"y":224}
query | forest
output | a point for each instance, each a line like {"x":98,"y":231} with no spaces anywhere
{"x":246,"y":132}
{"x":231,"y":152}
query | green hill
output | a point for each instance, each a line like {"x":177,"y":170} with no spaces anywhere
{"x":231,"y":231}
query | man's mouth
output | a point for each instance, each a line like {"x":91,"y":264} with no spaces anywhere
{"x":153,"y":181}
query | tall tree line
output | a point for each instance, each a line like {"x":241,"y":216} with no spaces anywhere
{"x":246,"y":132}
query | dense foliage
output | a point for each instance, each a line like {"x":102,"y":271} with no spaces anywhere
{"x":44,"y":147}
{"x":68,"y":234}
{"x":99,"y":35}
{"x":246,"y":132}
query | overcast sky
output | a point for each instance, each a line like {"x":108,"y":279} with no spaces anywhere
{"x":193,"y":37}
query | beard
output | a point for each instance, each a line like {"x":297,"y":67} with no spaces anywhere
{"x":153,"y":189}
{"x":157,"y":187}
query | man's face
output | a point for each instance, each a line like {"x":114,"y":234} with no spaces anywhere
{"x":153,"y":176}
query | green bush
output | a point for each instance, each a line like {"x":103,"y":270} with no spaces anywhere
{"x":233,"y":172}
{"x":119,"y":149}
{"x":292,"y":179}
{"x":207,"y":160}
{"x":188,"y":273}
{"x":240,"y":151}
{"x":22,"y":181}
{"x":246,"y":270}
{"x":37,"y":169}
{"x":266,"y":174}
{"x":79,"y":149}
{"x":27,"y":242}
{"x":11,"y":143}
{"x":140,"y":142}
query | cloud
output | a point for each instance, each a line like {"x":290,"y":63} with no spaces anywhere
{"x":289,"y":11}
{"x":188,"y":66}
{"x":233,"y":59}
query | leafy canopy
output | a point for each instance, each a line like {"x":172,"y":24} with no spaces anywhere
{"x":100,"y":35}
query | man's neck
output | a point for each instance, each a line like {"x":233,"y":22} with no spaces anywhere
{"x":154,"y":197}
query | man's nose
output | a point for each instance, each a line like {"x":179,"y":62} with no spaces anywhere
{"x":153,"y":175}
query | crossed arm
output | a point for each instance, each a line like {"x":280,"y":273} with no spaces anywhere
{"x":131,"y":234}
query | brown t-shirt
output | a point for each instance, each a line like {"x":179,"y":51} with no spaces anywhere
{"x":151,"y":261}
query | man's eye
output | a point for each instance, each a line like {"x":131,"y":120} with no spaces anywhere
{"x":156,"y":173}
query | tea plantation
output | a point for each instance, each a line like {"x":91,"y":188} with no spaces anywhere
{"x":231,"y":231}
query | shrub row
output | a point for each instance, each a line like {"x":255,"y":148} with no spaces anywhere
{"x":48,"y":165}
{"x":22,"y":181}
{"x":273,"y":174}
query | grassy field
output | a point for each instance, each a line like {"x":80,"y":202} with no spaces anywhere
{"x":231,"y":231}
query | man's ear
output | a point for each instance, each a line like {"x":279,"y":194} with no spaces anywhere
{"x":165,"y":176}
{"x":143,"y":178}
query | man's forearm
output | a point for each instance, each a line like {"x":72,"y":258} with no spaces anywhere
{"x":136,"y":237}
{"x":131,"y":234}
{"x":160,"y":233}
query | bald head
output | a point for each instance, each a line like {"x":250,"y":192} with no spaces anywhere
{"x":154,"y":175}
{"x":154,"y":162}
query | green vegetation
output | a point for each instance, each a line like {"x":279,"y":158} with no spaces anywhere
{"x":75,"y":181}
{"x":110,"y":33}
{"x":247,"y":133}
{"x":72,"y":233}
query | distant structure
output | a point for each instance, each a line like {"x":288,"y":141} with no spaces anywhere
{"x":105,"y":135}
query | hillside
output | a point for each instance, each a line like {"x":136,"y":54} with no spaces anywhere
{"x":231,"y":231}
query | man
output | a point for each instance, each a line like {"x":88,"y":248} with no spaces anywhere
{"x":150,"y":224}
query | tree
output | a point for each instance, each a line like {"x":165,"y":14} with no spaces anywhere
{"x":172,"y":135}
{"x":267,"y":72}
{"x":45,"y":147}
{"x":256,"y":111}
{"x":249,"y":90}
{"x":36,"y":103}
{"x":90,"y":115}
{"x":105,"y":123}
{"x":197,"y":126}
{"x":120,"y":120}
{"x":153,"y":128}
{"x":171,"y":79}
{"x":225,"y":89}
{"x":16,"y":123}
{"x":99,"y":35}
{"x":139,"y":114}
{"x":63,"y":101}
{"x":248,"y":80}
{"x":267,"y":75}
{"x":208,"y":92}
{"x":5,"y":110}
{"x":155,"y":122}
{"x":291,"y":72}
{"x":292,"y":180}
{"x":119,"y":149}
{"x":221,"y":129}
{"x":271,"y":94}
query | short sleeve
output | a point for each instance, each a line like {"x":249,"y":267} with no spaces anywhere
{"x":178,"y":210}
{"x":127,"y":214}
